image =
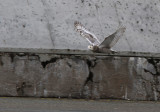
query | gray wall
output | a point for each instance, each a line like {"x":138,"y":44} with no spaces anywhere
{"x":74,"y":76}
{"x":49,"y":23}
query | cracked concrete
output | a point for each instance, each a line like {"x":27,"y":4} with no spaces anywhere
{"x":75,"y":76}
{"x":52,"y":73}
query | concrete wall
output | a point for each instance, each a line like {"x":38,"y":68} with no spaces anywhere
{"x":49,"y":23}
{"x":75,"y":76}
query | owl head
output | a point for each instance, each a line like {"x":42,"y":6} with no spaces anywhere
{"x":93,"y":48}
{"x":90,"y":47}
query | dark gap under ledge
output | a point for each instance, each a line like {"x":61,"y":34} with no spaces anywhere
{"x":78,"y":52}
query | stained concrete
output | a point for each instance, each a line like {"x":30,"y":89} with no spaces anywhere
{"x":91,"y":76}
{"x":49,"y":23}
{"x":72,"y":105}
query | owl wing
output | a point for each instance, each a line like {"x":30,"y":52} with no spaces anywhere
{"x":91,"y":38}
{"x":111,"y":40}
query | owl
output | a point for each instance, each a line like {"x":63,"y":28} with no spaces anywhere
{"x":94,"y":44}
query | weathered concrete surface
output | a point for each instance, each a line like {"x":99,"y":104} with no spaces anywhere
{"x":71,"y":105}
{"x":79,"y":76}
{"x":65,"y":78}
{"x":27,"y":76}
{"x":124,"y":78}
{"x":49,"y":23}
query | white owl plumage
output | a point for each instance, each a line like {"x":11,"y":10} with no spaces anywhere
{"x":95,"y":44}
{"x":92,"y":39}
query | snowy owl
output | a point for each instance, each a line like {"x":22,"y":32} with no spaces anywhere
{"x":95,"y":44}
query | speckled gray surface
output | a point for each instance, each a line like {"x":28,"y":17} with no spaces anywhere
{"x":71,"y":105}
{"x":49,"y":23}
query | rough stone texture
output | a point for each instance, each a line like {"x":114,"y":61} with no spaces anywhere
{"x":73,"y":76}
{"x":20,"y":76}
{"x":49,"y":23}
{"x":28,"y":76}
{"x":65,"y":78}
{"x":112,"y":78}
{"x":123,"y":78}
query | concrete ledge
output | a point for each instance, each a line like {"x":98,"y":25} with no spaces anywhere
{"x":74,"y":74}
{"x":78,"y":52}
